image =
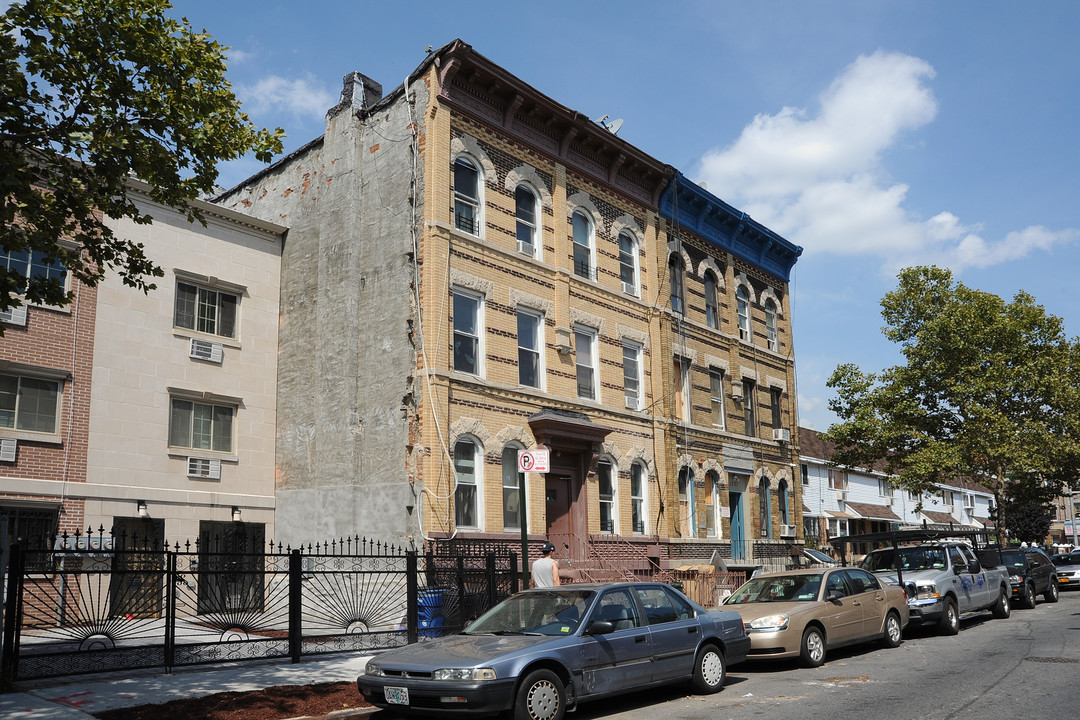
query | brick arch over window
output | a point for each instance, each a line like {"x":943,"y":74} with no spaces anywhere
{"x":468,"y":426}
{"x":582,"y":201}
{"x":628,"y":223}
{"x":741,"y":279}
{"x":611,"y":450}
{"x":514,"y":434}
{"x":675,"y":248}
{"x":714,"y":465}
{"x":528,"y":175}
{"x":467,"y":145}
{"x":767,"y":294}
{"x":710,"y":264}
{"x":638,"y":454}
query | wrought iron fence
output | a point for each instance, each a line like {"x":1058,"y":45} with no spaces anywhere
{"x":100,"y":602}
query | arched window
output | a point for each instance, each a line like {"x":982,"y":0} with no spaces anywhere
{"x":782,"y":502}
{"x":677,"y":271}
{"x":584,"y":245}
{"x":628,"y":263}
{"x":511,"y":480}
{"x":766,"y":510}
{"x":712,"y":504}
{"x":742,"y":307}
{"x":686,"y":502}
{"x":770,"y":324}
{"x":606,"y":479}
{"x":528,"y":226}
{"x":712,"y":317}
{"x":468,"y":182}
{"x":639,"y":509}
{"x":468,"y":465}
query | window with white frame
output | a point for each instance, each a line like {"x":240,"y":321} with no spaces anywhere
{"x":765,"y":510}
{"x":742,"y":309}
{"x":682,"y":389}
{"x":885,"y":488}
{"x":749,"y":410}
{"x":511,"y":484}
{"x":811,"y":527}
{"x":712,"y":504}
{"x":686,"y":501}
{"x":201,"y":426}
{"x":206,"y":309}
{"x":677,"y":274}
{"x":838,"y":527}
{"x":468,"y":181}
{"x":585,"y":357}
{"x":716,"y":393}
{"x":467,"y":467}
{"x":631,"y":353}
{"x":782,"y":502}
{"x":584,"y":245}
{"x":770,"y":324}
{"x":528,"y":226}
{"x":712,"y":314}
{"x":639,"y":483}
{"x":605,"y":480}
{"x":468,"y":319}
{"x":29,"y":403}
{"x":530,"y":343}
{"x":628,"y":263}
{"x":838,"y":479}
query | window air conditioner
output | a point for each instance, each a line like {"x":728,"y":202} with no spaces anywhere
{"x":781,"y":435}
{"x":204,"y":468}
{"x":206,"y":350}
{"x":14,"y":316}
{"x":8,"y":449}
{"x":787,"y":531}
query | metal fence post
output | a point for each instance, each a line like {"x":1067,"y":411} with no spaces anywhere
{"x":462,"y":598}
{"x":13,"y":614}
{"x":412,"y":597}
{"x":514,"y":577}
{"x":491,"y":584}
{"x":170,"y":611}
{"x":296,"y":577}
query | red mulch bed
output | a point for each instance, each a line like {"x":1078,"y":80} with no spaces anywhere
{"x":276,"y":703}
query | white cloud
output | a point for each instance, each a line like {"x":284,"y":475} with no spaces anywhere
{"x":238,"y":56}
{"x":304,"y":98}
{"x":819,"y":180}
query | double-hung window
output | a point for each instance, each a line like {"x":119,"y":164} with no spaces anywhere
{"x":837,"y":479}
{"x":742,"y":309}
{"x":712,"y":502}
{"x":749,"y":411}
{"x":682,"y":391}
{"x":466,"y":492}
{"x":885,"y":488}
{"x":765,"y":510}
{"x":638,"y":485}
{"x":511,"y":487}
{"x":686,"y":501}
{"x":206,"y":309}
{"x":585,"y":354}
{"x":530,"y":343}
{"x":584,"y":243}
{"x":628,"y":263}
{"x":29,"y":403}
{"x":775,"y":394}
{"x":201,"y":426}
{"x":468,"y":309}
{"x":631,"y":353}
{"x":716,"y":392}
{"x":770,"y":324}
{"x":527,"y":226}
{"x":605,"y":473}
{"x":712,"y":315}
{"x":782,"y":502}
{"x":676,"y":272}
{"x":467,"y":183}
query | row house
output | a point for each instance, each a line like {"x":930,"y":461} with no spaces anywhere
{"x":473,"y":270}
{"x":149,"y":416}
{"x":840,"y":501}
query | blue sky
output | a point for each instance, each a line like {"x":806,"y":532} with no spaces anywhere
{"x":874,"y":134}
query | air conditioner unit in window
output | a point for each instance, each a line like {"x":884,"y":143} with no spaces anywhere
{"x":8,"y":449}
{"x":204,"y":468}
{"x":781,"y":435}
{"x":787,"y":531}
{"x":14,"y":316}
{"x":206,"y":350}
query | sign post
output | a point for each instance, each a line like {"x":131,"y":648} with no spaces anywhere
{"x":535,"y":461}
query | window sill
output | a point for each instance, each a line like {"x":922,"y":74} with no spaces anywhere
{"x":30,"y":436}
{"x":188,"y":334}
{"x":184,"y":453}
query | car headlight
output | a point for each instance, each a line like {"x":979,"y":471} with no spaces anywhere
{"x":927,"y":592}
{"x":1015,"y":579}
{"x":464,"y":674}
{"x":373,"y":670}
{"x":769,"y":623}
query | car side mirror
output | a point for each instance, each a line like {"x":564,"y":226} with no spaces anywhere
{"x":600,"y":627}
{"x":957,"y":569}
{"x":833,"y":596}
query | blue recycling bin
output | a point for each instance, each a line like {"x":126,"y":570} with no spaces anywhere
{"x":430,"y":604}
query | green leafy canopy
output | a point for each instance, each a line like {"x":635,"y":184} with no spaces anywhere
{"x":92,"y":93}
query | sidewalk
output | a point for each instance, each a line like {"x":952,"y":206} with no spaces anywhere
{"x":77,"y":698}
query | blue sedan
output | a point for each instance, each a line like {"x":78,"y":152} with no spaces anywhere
{"x":542,"y":651}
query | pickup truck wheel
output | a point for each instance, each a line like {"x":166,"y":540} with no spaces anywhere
{"x":1002,"y":609}
{"x":1027,"y":596}
{"x":1051,"y":594}
{"x":813,"y":647}
{"x":894,"y":632}
{"x":949,"y":624}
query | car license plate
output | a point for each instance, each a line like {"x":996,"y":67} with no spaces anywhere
{"x":396,"y":695}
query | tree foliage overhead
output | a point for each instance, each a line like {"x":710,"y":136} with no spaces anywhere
{"x":93,"y":92}
{"x":990,"y":391}
{"x":1028,"y":522}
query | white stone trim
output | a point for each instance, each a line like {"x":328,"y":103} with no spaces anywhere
{"x":776,"y":382}
{"x":770,"y":293}
{"x":470,"y":427}
{"x":715,"y":362}
{"x":748,"y":373}
{"x":710,"y":264}
{"x":675,"y":247}
{"x":467,"y":145}
{"x":629,"y":223}
{"x":580,"y":317}
{"x":518,"y":297}
{"x":514,"y":434}
{"x":471,"y":282}
{"x":638,"y":336}
{"x":528,"y":175}
{"x":683,"y":351}
{"x":741,"y":279}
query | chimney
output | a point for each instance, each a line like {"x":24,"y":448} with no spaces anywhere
{"x":358,"y":92}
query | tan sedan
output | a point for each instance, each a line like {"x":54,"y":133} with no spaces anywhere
{"x":803,"y":613}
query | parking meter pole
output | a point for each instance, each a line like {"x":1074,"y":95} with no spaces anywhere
{"x":524,"y":532}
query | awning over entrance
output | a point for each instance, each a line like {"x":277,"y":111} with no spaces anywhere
{"x":867,"y":511}
{"x":838,"y":514}
{"x":552,"y":426}
{"x":940,"y":518}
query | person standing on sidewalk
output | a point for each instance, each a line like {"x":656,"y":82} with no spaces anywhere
{"x":545,"y":571}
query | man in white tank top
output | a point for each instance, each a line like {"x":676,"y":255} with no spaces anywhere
{"x":545,"y":571}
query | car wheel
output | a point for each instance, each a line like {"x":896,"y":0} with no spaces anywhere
{"x":541,"y":696}
{"x":1002,"y":609}
{"x":894,"y":632}
{"x":709,"y":670}
{"x":1027,"y":596}
{"x":1051,"y":595}
{"x":813,"y":647}
{"x":950,"y":619}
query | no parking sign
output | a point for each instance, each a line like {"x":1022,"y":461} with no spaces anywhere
{"x":535,"y":461}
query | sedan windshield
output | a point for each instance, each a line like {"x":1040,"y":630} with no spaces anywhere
{"x":555,"y":612}
{"x":910,"y":558}
{"x":777,"y":588}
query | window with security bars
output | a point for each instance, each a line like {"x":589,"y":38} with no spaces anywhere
{"x":467,"y":196}
{"x":582,"y":227}
{"x":33,"y":529}
{"x":206,"y":310}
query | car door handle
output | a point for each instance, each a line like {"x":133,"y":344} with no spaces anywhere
{"x":691,"y":630}
{"x":856,"y":603}
{"x":640,"y":639}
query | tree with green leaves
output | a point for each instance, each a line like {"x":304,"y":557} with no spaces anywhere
{"x":990,"y":391}
{"x":95,"y":92}
{"x":1028,"y":522}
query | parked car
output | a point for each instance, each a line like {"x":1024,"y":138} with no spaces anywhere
{"x":1030,"y":573}
{"x":542,"y":651}
{"x":1068,"y":569}
{"x":805,"y":613}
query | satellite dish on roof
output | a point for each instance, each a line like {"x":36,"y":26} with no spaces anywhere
{"x":614,"y":125}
